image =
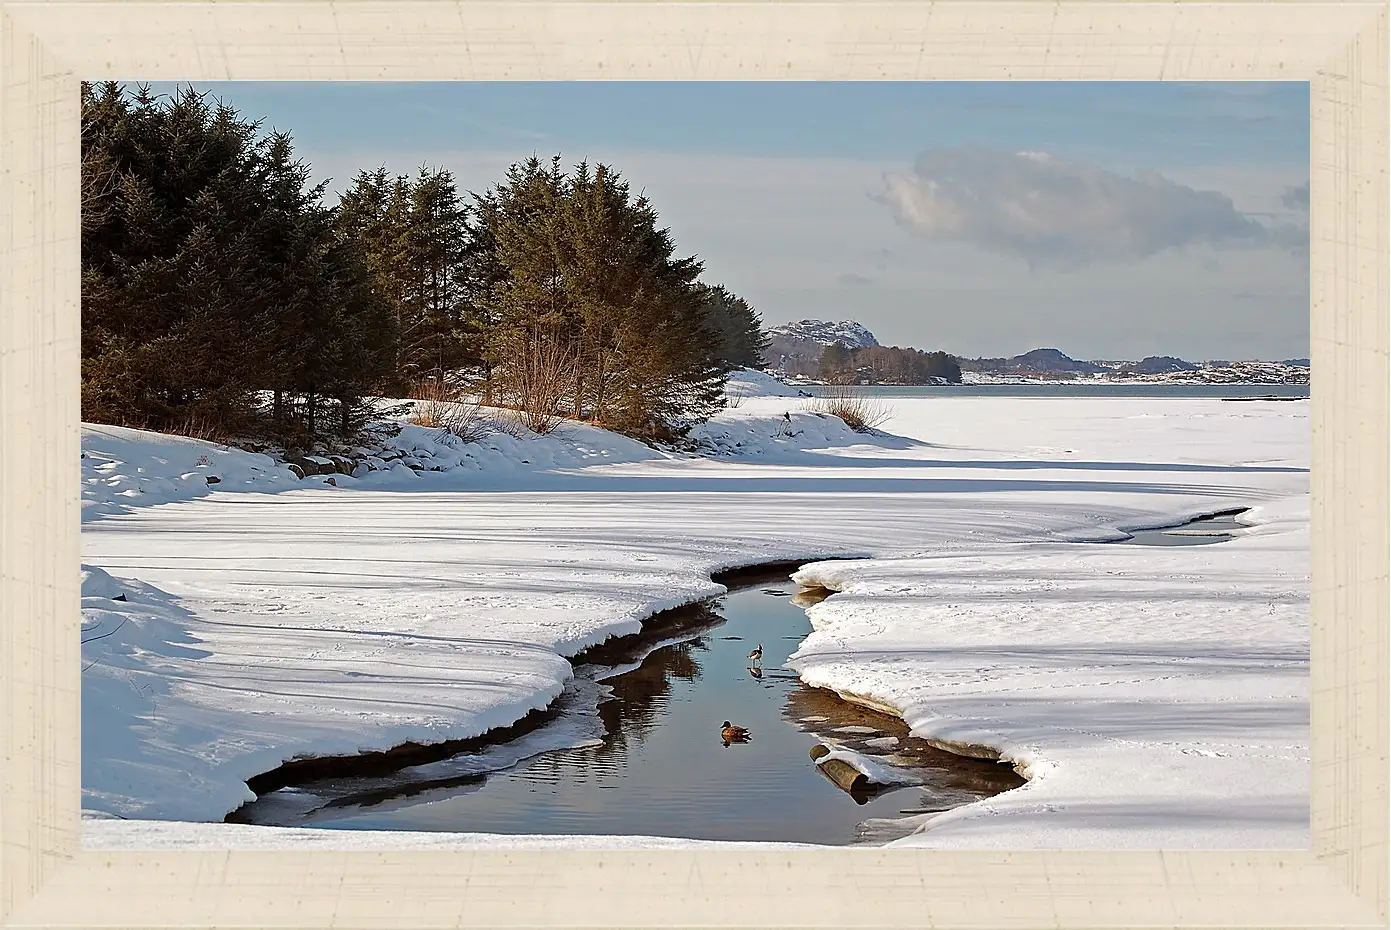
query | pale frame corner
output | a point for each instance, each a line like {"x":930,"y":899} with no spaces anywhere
{"x":1341,"y":48}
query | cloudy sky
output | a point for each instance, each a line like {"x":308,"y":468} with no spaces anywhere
{"x":1106,"y":220}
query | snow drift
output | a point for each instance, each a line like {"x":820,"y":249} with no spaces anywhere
{"x":1155,"y":697}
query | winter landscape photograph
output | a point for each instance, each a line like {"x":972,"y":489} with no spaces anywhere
{"x":652,"y":465}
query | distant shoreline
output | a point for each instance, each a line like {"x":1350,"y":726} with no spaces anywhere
{"x":1054,"y":382}
{"x":1088,"y":388}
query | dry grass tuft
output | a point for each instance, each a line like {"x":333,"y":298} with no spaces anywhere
{"x":860,"y":412}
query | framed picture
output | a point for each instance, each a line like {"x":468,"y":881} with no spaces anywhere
{"x":694,"y":464}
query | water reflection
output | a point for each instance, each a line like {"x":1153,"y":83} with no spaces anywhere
{"x":656,"y":761}
{"x":1202,"y":531}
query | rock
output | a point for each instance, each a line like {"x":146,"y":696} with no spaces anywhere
{"x":317,"y":465}
{"x":342,"y":465}
{"x":296,"y":470}
{"x":331,"y":481}
{"x":362,"y":469}
{"x":305,"y":464}
{"x":843,"y":774}
{"x":214,"y":479}
{"x":119,"y":597}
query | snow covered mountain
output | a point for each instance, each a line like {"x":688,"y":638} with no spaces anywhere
{"x":848,"y":333}
{"x":800,"y":344}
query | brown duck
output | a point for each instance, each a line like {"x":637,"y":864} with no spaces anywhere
{"x":732,"y":734}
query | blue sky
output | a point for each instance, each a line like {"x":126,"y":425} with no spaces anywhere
{"x":1106,"y":219}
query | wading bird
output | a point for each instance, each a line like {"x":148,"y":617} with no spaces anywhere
{"x":757,"y":655}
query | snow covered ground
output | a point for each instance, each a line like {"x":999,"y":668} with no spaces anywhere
{"x":1157,"y":697}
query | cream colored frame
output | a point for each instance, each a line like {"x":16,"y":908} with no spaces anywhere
{"x":47,"y":880}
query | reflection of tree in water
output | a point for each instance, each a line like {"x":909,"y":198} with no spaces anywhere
{"x":669,"y":624}
{"x":638,"y":697}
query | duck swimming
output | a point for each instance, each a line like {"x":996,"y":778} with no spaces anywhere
{"x":732,"y":734}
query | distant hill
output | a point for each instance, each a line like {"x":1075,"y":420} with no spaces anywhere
{"x":1038,"y":361}
{"x":1053,"y":365}
{"x":798,"y":346}
{"x":795,"y":349}
{"x":1158,"y":365}
{"x":803,"y":333}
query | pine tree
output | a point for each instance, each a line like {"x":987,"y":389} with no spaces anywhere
{"x":740,"y":340}
{"x":207,"y":276}
{"x":432,"y":251}
{"x":835,"y":362}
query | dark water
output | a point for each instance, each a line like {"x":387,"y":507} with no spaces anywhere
{"x":1203,"y":531}
{"x":1234,"y":391}
{"x":658,"y":766}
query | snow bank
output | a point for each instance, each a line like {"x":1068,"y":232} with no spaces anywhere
{"x":178,"y":710}
{"x":105,"y":834}
{"x":1154,"y":696}
{"x":750,"y":383}
{"x":124,"y":468}
{"x":1158,"y":697}
{"x":761,"y":434}
{"x":876,"y":772}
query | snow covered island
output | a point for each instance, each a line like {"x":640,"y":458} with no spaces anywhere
{"x":236,"y":617}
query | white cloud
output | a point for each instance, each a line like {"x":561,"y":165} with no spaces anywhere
{"x":1052,"y":212}
{"x":1297,"y":198}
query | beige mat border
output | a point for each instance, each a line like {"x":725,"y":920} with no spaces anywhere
{"x":46,"y":880}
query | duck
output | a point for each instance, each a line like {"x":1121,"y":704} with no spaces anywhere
{"x":732,"y":734}
{"x":757,"y":655}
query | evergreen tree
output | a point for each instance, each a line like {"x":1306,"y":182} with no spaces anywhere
{"x":575,"y":261}
{"x":431,"y":256}
{"x":835,"y":362}
{"x":171,"y":288}
{"x":208,"y":274}
{"x":740,"y":340}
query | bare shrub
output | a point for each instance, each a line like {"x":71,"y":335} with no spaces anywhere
{"x":466,"y":422}
{"x":442,"y":404}
{"x":201,"y":427}
{"x":860,"y":412}
{"x":538,"y":379}
{"x":434,"y":395}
